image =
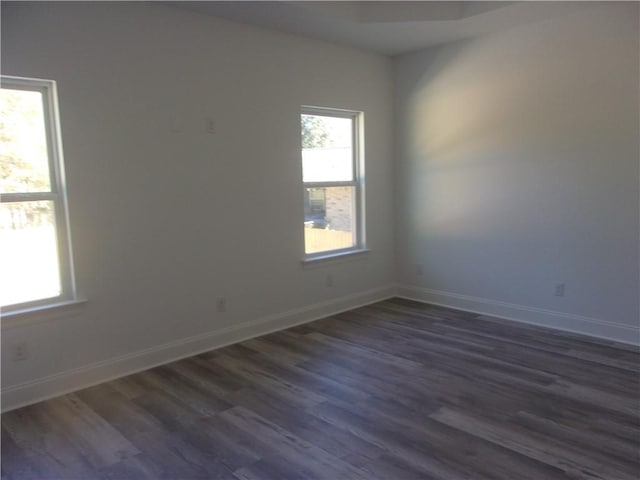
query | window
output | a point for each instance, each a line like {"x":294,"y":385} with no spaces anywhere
{"x":332,"y":176}
{"x":34,"y":240}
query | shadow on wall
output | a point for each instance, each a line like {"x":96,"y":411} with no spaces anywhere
{"x":520,"y":159}
{"x":520,"y":88}
{"x":504,"y":117}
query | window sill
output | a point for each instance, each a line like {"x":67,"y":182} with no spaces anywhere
{"x":335,"y":257}
{"x":41,"y":313}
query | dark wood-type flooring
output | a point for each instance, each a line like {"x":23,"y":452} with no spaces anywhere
{"x":397,"y":390}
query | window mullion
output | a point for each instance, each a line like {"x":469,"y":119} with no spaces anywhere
{"x":28,"y":197}
{"x":351,"y":183}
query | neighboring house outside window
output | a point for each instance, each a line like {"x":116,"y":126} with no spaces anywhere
{"x":332,"y":175}
{"x":35,"y":247}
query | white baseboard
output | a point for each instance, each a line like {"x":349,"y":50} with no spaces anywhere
{"x":68,"y":381}
{"x":537,"y":316}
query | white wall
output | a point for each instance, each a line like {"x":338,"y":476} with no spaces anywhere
{"x":166,"y":217}
{"x":518,"y":169}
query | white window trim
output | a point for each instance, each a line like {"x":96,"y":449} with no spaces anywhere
{"x":360,"y":246}
{"x":57,"y":194}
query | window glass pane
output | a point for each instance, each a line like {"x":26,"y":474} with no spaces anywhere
{"x":24,"y":164}
{"x":28,"y":252}
{"x":329,"y":219}
{"x":327,"y":148}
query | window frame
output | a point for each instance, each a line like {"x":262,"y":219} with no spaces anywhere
{"x":57,"y":193}
{"x":357,"y":182}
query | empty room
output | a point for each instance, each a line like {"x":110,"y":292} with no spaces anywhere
{"x":320,"y":240}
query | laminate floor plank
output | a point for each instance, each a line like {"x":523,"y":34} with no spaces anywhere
{"x":121,"y":413}
{"x":223,"y":442}
{"x":289,"y":393}
{"x":272,"y":469}
{"x":336,"y":441}
{"x":548,"y":450}
{"x":397,"y":390}
{"x":399,"y":443}
{"x":277,"y":441}
{"x":305,"y":379}
{"x":212,"y":380}
{"x":484,"y":460}
{"x":611,"y":448}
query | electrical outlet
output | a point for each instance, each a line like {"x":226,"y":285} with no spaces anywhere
{"x":19,"y":351}
{"x":559,"y":290}
{"x":328,"y":281}
{"x":210,"y":125}
{"x":221,"y":304}
{"x":419,"y":270}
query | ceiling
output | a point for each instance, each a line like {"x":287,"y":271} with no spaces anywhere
{"x":387,"y":27}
